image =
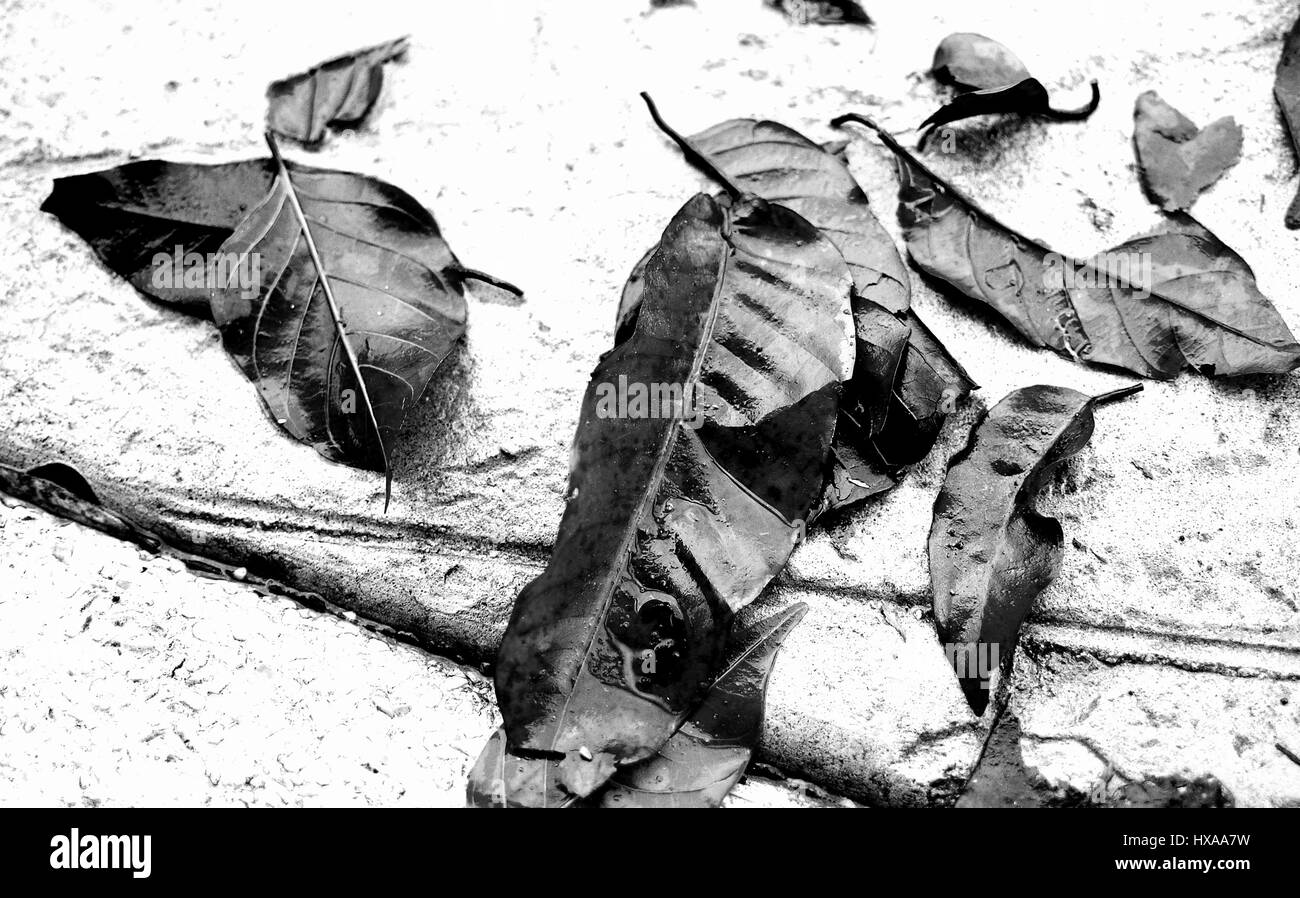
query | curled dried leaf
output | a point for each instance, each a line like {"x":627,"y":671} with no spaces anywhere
{"x":1025,"y":98}
{"x":338,"y":93}
{"x":990,"y":552}
{"x":969,"y":61}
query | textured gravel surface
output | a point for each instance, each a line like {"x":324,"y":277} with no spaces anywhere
{"x":127,"y":680}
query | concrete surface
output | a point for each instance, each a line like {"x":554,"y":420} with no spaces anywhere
{"x":130,"y":681}
{"x":517,"y":123}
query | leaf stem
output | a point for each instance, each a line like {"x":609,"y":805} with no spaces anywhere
{"x":353,"y":362}
{"x":897,"y":148}
{"x":692,"y":152}
{"x":1116,"y":395}
{"x":473,"y":274}
{"x":1074,"y":115}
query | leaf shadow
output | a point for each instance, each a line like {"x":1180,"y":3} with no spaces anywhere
{"x":438,"y":428}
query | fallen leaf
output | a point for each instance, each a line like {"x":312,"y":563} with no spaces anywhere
{"x":165,"y":227}
{"x":675,"y":521}
{"x":707,"y":756}
{"x":140,"y":217}
{"x":1286,"y":89}
{"x":1177,"y":160}
{"x":905,"y":382}
{"x":349,"y":317}
{"x":1154,"y":305}
{"x":970,"y":61}
{"x":698,"y":765}
{"x":501,"y":778}
{"x":822,"y":12}
{"x":991,"y":552}
{"x":61,"y":489}
{"x":338,"y":93}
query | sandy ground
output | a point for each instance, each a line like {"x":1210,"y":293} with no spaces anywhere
{"x":129,"y":681}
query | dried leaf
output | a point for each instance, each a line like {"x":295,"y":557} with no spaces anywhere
{"x":1025,"y":98}
{"x":1286,"y":88}
{"x":350,"y":317}
{"x":991,"y":553}
{"x":672,"y":525}
{"x":698,"y":765}
{"x":708,"y":755}
{"x":1176,"y":298}
{"x":500,"y":778}
{"x":904,"y":381}
{"x":167,"y":228}
{"x":338,"y":93}
{"x":1178,"y":160}
{"x":970,"y":61}
{"x":61,"y":489}
{"x":822,"y":12}
{"x":141,"y":216}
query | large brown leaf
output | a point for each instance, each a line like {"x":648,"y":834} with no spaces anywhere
{"x":672,"y":526}
{"x":1174,"y":299}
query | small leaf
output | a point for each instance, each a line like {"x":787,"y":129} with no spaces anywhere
{"x":676,"y":521}
{"x":167,"y":228}
{"x":969,"y":61}
{"x":708,"y":755}
{"x":335,"y":94}
{"x":1024,"y":98}
{"x":991,"y":553}
{"x":1177,"y":160}
{"x":1154,"y":305}
{"x":822,"y":12}
{"x":1286,"y":88}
